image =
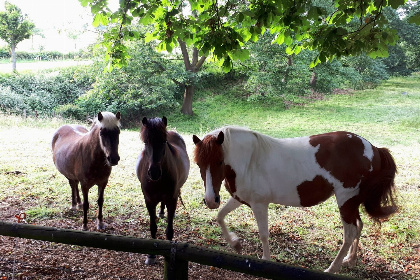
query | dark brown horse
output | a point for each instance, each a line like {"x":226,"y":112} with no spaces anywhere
{"x":87,"y":157}
{"x":162,"y":168}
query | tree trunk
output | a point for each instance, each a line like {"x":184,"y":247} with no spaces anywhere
{"x":13,"y":50}
{"x":286,"y":74}
{"x":312,"y":82}
{"x":188,"y":98}
{"x":194,"y":67}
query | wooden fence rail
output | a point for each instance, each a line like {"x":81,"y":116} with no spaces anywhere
{"x":177,"y":255}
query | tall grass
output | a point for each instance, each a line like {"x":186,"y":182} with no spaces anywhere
{"x":387,"y":116}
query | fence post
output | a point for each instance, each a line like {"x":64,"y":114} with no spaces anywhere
{"x":175,"y":268}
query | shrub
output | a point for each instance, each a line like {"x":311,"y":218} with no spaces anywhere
{"x":333,"y":75}
{"x":141,"y":88}
{"x":11,"y":102}
{"x":372,"y":71}
{"x":44,"y":92}
{"x":70,"y":111}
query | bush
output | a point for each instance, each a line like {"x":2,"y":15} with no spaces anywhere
{"x":372,"y":71}
{"x":70,"y":111}
{"x":141,"y":88}
{"x":44,"y":92}
{"x":333,"y":75}
{"x":11,"y":102}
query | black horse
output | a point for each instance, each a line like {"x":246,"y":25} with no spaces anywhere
{"x":162,"y":168}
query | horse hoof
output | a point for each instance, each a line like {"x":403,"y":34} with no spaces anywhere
{"x":235,"y":242}
{"x":237,"y":247}
{"x":101,"y":225}
{"x":349,"y":262}
{"x":85,"y":228}
{"x":330,"y":270}
{"x":150,"y":260}
{"x":162,"y":215}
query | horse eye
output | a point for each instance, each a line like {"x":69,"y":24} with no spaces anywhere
{"x":221,"y":163}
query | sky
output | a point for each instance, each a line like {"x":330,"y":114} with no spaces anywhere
{"x":55,"y":18}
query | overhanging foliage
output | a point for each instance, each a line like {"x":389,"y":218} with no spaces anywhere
{"x":333,"y":28}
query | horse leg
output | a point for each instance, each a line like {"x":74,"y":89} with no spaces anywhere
{"x":75,"y":197}
{"x":230,"y":237}
{"x":261,"y":215}
{"x":85,"y":192}
{"x":350,"y":259}
{"x":352,"y":225}
{"x":171,"y":207}
{"x":151,"y":208}
{"x":101,"y":189}
{"x":162,"y":210}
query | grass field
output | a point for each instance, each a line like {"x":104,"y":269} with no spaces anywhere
{"x":388,"y":116}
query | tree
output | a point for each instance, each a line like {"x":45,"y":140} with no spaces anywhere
{"x":193,"y":67}
{"x":14,"y":28}
{"x":404,"y":57}
{"x":221,"y":28}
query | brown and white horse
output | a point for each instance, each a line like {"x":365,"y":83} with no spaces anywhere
{"x":305,"y":171}
{"x":87,"y":156}
{"x":162,"y":168}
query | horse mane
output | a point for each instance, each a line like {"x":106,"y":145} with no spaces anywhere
{"x":265,"y":142}
{"x":260,"y":145}
{"x":109,"y":121}
{"x":155,"y":133}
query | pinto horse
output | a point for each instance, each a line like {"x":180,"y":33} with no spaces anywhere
{"x":304,"y":171}
{"x":87,"y":157}
{"x":162,"y":168}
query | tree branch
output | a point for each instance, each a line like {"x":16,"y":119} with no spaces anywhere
{"x":195,"y":57}
{"x":200,"y":62}
{"x":185,"y":55}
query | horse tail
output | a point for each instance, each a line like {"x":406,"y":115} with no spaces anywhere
{"x":380,"y":200}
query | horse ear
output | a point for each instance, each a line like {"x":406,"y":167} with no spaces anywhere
{"x":196,"y":140}
{"x":100,"y":117}
{"x":220,"y":138}
{"x":118,"y":115}
{"x":144,"y":121}
{"x":165,"y":121}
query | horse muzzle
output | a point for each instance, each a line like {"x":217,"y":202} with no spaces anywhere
{"x":212,"y":204}
{"x":154,"y":173}
{"x":113,"y":160}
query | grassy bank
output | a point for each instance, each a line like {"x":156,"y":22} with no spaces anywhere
{"x":387,"y":116}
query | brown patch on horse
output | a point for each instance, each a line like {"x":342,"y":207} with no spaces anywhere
{"x":314,"y":192}
{"x":349,"y":211}
{"x":208,"y":151}
{"x":230,"y":183}
{"x":341,"y":153}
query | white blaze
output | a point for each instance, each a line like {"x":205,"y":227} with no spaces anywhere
{"x":210,"y":196}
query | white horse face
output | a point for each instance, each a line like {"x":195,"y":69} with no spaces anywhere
{"x":209,"y":158}
{"x":109,"y":133}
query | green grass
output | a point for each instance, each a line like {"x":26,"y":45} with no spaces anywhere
{"x":307,"y":237}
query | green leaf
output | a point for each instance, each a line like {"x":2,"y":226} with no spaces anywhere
{"x":241,"y":54}
{"x":396,"y":3}
{"x":96,"y":20}
{"x":227,"y":64}
{"x":84,"y":3}
{"x":279,"y":38}
{"x":240,"y":17}
{"x":415,"y":19}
